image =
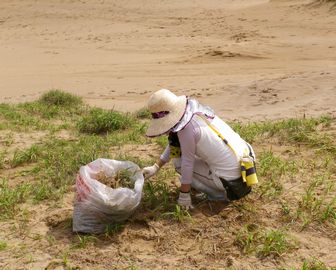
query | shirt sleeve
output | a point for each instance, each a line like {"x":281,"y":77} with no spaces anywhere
{"x":187,"y":138}
{"x":165,"y":156}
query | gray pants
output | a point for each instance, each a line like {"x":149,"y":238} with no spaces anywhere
{"x":203,"y":180}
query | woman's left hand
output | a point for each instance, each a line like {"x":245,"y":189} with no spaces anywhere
{"x":184,"y":201}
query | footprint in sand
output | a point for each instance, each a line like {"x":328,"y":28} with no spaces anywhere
{"x":269,"y":95}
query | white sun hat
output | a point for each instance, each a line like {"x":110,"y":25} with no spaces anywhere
{"x":167,"y":110}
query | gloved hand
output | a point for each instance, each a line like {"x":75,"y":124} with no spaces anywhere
{"x":184,"y":201}
{"x":150,"y":171}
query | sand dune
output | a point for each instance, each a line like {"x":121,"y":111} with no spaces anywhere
{"x":269,"y":59}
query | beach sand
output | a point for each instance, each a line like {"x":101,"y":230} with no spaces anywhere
{"x":249,"y":60}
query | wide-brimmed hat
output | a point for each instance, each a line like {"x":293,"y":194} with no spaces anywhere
{"x":167,"y":110}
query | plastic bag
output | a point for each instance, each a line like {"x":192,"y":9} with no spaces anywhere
{"x":97,"y":205}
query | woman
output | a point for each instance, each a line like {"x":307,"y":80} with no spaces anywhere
{"x":208,"y":154}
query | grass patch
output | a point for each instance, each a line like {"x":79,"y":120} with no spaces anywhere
{"x":162,"y":141}
{"x":83,"y":241}
{"x":315,"y":264}
{"x":3,"y":245}
{"x":44,"y":190}
{"x":317,"y":203}
{"x":25,"y":156}
{"x":284,"y":183}
{"x":264,"y":242}
{"x":2,"y":159}
{"x":100,"y":121}
{"x":11,"y":197}
{"x":179,"y":214}
{"x":157,"y":196}
{"x":143,"y":113}
{"x":55,"y":103}
{"x":60,"y":98}
{"x":61,"y":159}
{"x":11,"y":117}
{"x":271,"y":168}
{"x":113,"y":229}
{"x":289,"y":130}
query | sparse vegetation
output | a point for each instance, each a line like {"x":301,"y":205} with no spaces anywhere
{"x":11,"y":198}
{"x":178,"y":214}
{"x":264,"y":242}
{"x":296,"y":190}
{"x":3,"y":245}
{"x":84,"y":241}
{"x":157,"y":196}
{"x":315,"y":264}
{"x":272,"y":168}
{"x":25,"y":156}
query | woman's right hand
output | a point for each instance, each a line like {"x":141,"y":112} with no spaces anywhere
{"x":150,"y":171}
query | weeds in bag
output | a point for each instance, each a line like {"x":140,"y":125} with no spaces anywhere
{"x":123,"y":178}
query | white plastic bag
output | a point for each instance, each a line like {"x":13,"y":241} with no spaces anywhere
{"x":97,"y":205}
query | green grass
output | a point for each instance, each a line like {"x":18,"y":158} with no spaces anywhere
{"x":13,"y":118}
{"x":61,"y":159}
{"x":84,"y":241}
{"x":3,"y":155}
{"x":11,"y":198}
{"x":271,"y":169}
{"x":158,"y":196}
{"x":60,"y":98}
{"x":296,"y":186}
{"x":317,"y":202}
{"x":288,"y":130}
{"x":271,"y":242}
{"x":100,"y":121}
{"x":162,"y":141}
{"x":178,"y":214}
{"x":273,"y":166}
{"x":112,"y":229}
{"x":44,"y":190}
{"x":3,"y":245}
{"x":315,"y":264}
{"x":275,"y":242}
{"x":143,"y":113}
{"x":45,"y":111}
{"x":25,"y":156}
{"x":55,"y":104}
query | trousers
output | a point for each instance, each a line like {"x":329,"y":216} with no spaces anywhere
{"x":217,"y":188}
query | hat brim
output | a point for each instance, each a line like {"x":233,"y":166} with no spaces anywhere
{"x":160,"y":126}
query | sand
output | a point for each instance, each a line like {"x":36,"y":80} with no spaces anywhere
{"x":249,"y":60}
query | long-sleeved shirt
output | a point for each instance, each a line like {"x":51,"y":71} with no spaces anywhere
{"x":188,"y":138}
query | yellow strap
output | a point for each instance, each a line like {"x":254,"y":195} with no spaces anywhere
{"x":218,"y":134}
{"x":249,"y":179}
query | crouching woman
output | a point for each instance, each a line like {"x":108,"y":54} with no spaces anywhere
{"x":206,"y":152}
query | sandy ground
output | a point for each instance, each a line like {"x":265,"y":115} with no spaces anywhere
{"x":248,"y":59}
{"x":251,"y":59}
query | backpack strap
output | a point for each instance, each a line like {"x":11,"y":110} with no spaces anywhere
{"x":218,"y":134}
{"x":247,"y":164}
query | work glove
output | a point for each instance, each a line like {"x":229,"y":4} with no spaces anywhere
{"x":150,"y":171}
{"x":184,"y":201}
